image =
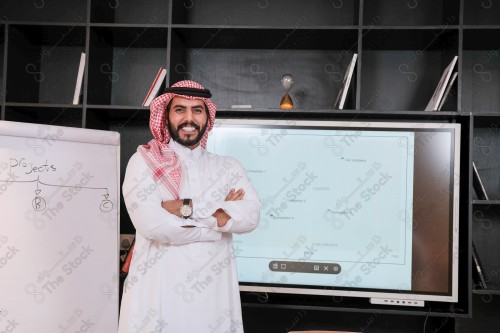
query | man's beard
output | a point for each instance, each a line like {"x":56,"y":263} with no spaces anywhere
{"x":190,"y":141}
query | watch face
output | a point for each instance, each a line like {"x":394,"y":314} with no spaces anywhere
{"x":186,"y":210}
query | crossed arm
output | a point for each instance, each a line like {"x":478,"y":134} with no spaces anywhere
{"x":173,"y":206}
{"x":156,"y":219}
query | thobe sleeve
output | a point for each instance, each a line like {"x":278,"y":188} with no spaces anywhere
{"x":245,"y":214}
{"x":143,"y":201}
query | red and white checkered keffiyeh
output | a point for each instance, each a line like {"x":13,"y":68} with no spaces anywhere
{"x":157,"y":153}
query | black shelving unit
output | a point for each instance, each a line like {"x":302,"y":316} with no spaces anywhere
{"x":240,"y":51}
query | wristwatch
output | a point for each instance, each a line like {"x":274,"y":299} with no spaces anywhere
{"x":186,"y":209}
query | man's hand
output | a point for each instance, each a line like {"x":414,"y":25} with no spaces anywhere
{"x":221,"y":216}
{"x":172,"y":206}
{"x":235,"y":195}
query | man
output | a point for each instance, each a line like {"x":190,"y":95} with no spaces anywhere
{"x":183,"y":277}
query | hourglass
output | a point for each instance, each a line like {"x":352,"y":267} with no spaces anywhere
{"x":287,"y":83}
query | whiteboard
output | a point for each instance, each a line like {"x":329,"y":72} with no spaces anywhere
{"x":59,"y":228}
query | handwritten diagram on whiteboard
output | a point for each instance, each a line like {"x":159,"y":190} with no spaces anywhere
{"x":59,"y":197}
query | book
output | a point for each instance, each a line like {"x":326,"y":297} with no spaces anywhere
{"x":439,"y":91}
{"x":79,"y":80}
{"x":339,"y":102}
{"x":477,"y":183}
{"x":479,"y":268}
{"x":447,"y":91}
{"x":155,"y":86}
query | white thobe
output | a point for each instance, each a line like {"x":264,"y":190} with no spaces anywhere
{"x":184,"y":279}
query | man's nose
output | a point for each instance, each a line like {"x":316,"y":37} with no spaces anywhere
{"x":188,"y":115}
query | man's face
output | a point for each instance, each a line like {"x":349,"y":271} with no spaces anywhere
{"x":187,"y":121}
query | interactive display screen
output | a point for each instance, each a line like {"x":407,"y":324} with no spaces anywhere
{"x":362,"y":209}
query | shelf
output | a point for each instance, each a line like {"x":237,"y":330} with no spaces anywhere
{"x":487,"y":291}
{"x":128,"y":11}
{"x":36,"y":55}
{"x":418,"y":40}
{"x":245,"y":66}
{"x":44,"y":11}
{"x":410,"y":13}
{"x":488,"y":120}
{"x":275,"y":13}
{"x":492,"y":114}
{"x":485,"y":235}
{"x":486,"y":153}
{"x":480,"y":72}
{"x":344,"y":114}
{"x":485,"y":316}
{"x":43,"y":105}
{"x":409,"y":62}
{"x":123,"y":63}
{"x":266,"y":39}
{"x":486,"y":202}
{"x":116,"y":107}
{"x":482,"y":12}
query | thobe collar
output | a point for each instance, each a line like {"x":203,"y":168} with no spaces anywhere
{"x":185,"y":153}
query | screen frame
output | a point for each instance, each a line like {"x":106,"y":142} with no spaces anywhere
{"x":408,"y":297}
